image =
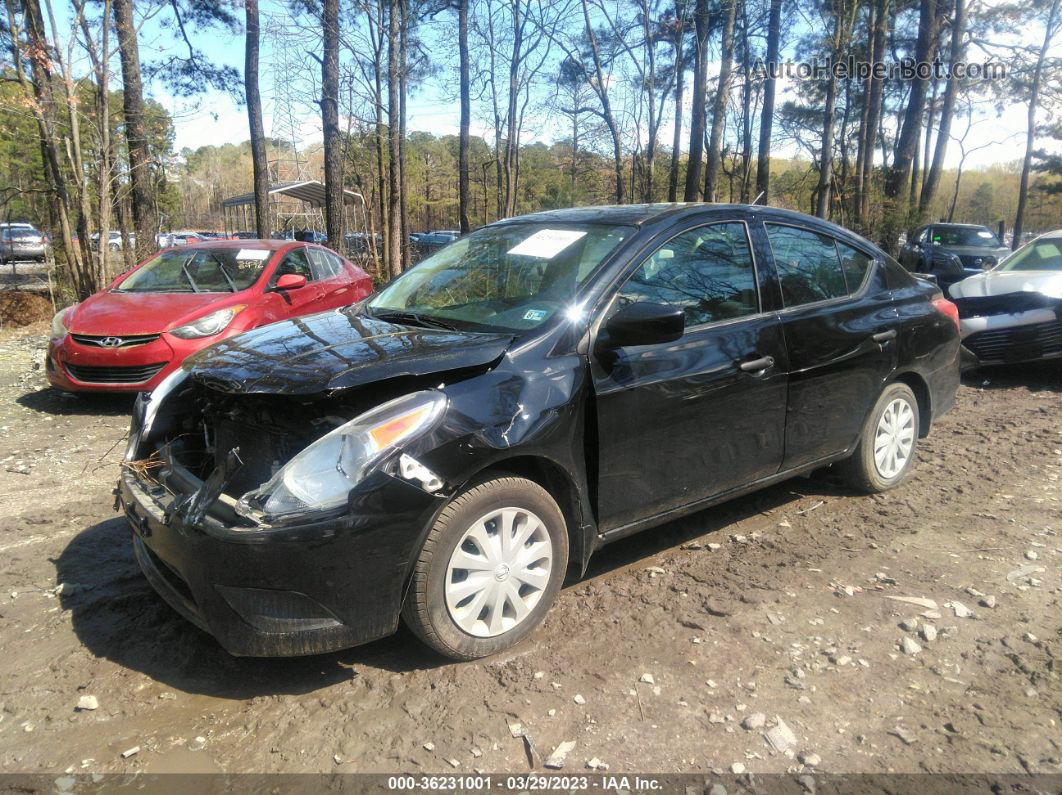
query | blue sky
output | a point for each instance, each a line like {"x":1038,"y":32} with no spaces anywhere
{"x":215,"y":118}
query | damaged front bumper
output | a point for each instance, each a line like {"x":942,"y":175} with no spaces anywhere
{"x":277,"y":591}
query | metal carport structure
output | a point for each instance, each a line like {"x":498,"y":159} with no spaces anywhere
{"x":239,"y":210}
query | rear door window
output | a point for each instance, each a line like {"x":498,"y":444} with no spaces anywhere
{"x":809,"y":269}
{"x":325,"y":265}
{"x":855,"y":265}
{"x":707,"y":272}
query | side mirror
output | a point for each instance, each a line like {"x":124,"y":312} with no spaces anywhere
{"x":291,"y":281}
{"x":644,"y":324}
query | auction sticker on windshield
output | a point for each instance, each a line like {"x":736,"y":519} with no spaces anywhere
{"x":546,"y":243}
{"x":253,"y":254}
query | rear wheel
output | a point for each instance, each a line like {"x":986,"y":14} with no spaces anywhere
{"x":887,"y":445}
{"x":489,"y":569}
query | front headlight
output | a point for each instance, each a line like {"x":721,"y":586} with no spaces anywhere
{"x":59,"y":328}
{"x":208,"y":325}
{"x":321,"y":476}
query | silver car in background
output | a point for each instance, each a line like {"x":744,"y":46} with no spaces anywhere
{"x":23,"y":242}
{"x":1013,"y":312}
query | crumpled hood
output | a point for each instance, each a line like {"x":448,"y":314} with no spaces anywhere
{"x":336,"y":350}
{"x":992,"y":283}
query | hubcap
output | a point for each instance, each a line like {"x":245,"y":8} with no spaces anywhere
{"x":498,"y":572}
{"x":894,"y":438}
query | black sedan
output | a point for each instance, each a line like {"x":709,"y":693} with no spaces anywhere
{"x":446,"y":450}
{"x":952,"y":252}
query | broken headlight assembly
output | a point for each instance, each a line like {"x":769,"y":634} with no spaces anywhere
{"x":321,"y":476}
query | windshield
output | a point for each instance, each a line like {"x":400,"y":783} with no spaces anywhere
{"x":201,"y":270}
{"x":1044,"y":254}
{"x":979,"y":237}
{"x":512,"y":277}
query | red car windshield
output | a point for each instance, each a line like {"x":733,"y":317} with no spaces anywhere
{"x":201,"y":270}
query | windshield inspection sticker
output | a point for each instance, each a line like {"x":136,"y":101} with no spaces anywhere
{"x":253,"y":253}
{"x":546,"y":243}
{"x":535,"y":314}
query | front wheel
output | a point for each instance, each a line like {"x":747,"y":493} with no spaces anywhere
{"x":887,"y":444}
{"x":489,"y":569}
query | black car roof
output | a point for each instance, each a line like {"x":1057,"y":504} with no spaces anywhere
{"x":641,"y":214}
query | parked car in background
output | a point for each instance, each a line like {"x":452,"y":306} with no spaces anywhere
{"x":114,"y":240}
{"x":20,"y":242}
{"x":171,"y":239}
{"x":535,"y":390}
{"x":243,"y":236}
{"x":952,"y":252}
{"x":1013,"y":313}
{"x":130,"y":336}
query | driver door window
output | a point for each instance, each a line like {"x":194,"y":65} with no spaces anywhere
{"x":707,"y":272}
{"x":297,"y":263}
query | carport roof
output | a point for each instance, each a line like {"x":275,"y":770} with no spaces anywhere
{"x":310,"y":191}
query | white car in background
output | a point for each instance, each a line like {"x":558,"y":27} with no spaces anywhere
{"x":1013,"y":312}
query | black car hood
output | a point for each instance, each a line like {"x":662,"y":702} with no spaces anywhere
{"x":336,"y":350}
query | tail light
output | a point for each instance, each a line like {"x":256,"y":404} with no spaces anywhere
{"x":947,"y":308}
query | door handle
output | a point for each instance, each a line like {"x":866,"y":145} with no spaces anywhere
{"x":884,"y":336}
{"x":755,"y":365}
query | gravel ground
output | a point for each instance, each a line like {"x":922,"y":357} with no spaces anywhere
{"x":771,"y":633}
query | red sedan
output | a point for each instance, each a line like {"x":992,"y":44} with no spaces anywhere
{"x":130,"y":336}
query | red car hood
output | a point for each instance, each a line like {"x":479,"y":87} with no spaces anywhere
{"x":142,"y":313}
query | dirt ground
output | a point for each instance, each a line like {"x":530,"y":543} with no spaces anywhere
{"x":656,"y":661}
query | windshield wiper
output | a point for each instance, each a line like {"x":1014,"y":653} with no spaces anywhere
{"x":415,"y":319}
{"x":188,"y":276}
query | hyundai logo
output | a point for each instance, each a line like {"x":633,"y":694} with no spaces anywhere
{"x":111,"y":342}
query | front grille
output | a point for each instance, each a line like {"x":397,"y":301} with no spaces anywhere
{"x":1020,"y":343}
{"x":114,"y":375}
{"x":984,"y":261}
{"x":113,"y":340}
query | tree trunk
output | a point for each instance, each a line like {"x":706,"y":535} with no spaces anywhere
{"x":1030,"y":133}
{"x":680,"y":81}
{"x":600,"y":87}
{"x":722,"y":95}
{"x":697,"y":107}
{"x":881,"y":26}
{"x":333,"y":155}
{"x":259,"y":164}
{"x":897,"y":182}
{"x":763,"y":155}
{"x":403,"y":174}
{"x":394,"y":217}
{"x":746,"y":104}
{"x":822,"y":192}
{"x":142,"y":189}
{"x":947,"y":111}
{"x":466,"y":116}
{"x":43,"y":101}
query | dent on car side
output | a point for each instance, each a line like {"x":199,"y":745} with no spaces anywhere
{"x":526,"y":405}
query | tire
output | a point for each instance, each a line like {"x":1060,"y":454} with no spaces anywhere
{"x":528,"y":577}
{"x":865,"y":471}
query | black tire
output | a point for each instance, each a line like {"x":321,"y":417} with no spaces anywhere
{"x":425,"y":610}
{"x":860,"y":470}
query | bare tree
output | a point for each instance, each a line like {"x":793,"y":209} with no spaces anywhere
{"x":142,"y":192}
{"x":697,"y":107}
{"x":259,"y":165}
{"x":466,"y":114}
{"x":722,"y":96}
{"x":333,"y":155}
{"x":763,"y":156}
{"x":1051,"y":26}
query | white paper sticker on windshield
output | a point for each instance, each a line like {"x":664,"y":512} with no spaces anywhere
{"x":985,"y":235}
{"x":253,"y":253}
{"x":546,"y":243}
